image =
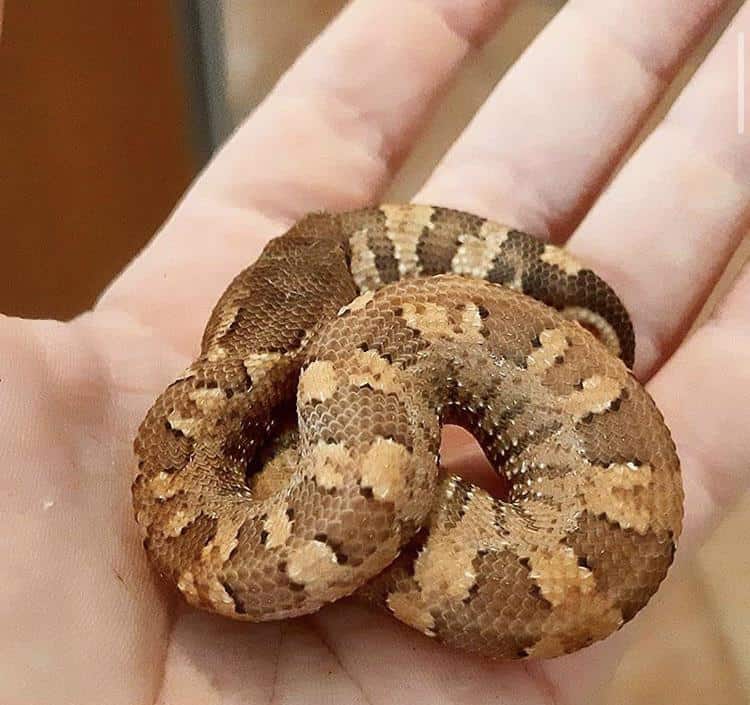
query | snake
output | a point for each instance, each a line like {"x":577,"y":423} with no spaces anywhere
{"x":296,"y":461}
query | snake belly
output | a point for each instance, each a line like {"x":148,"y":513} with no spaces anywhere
{"x":385,"y":323}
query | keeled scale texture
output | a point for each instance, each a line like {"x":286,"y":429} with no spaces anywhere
{"x":254,"y":520}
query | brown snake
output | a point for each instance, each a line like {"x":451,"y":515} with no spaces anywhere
{"x":386,"y":323}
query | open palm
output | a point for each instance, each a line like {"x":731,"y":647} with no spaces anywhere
{"x":85,"y":621}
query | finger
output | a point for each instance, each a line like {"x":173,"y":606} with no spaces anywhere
{"x":542,"y":146}
{"x":703,"y":392}
{"x":664,"y":231}
{"x":329,"y":136}
{"x":239,"y":665}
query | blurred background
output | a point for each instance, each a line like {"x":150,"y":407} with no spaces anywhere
{"x":108,"y":110}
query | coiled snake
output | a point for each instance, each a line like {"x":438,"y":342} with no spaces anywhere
{"x":386,"y":323}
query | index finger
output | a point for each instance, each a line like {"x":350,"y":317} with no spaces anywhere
{"x":328,"y":136}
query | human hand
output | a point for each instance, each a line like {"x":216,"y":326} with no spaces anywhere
{"x":84,"y":620}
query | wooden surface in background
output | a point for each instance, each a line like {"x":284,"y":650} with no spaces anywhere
{"x":94,"y":146}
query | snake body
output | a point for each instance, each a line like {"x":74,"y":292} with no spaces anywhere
{"x":386,"y":323}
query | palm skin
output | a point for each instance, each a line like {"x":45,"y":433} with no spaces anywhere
{"x":86,"y":621}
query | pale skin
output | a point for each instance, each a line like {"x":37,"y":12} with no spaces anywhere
{"x":85,"y":621}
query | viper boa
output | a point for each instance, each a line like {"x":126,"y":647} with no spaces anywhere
{"x":386,"y":323}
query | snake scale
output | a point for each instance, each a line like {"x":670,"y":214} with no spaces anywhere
{"x":385,"y":323}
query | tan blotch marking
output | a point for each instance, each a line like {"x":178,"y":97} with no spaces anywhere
{"x":471,"y":321}
{"x":370,"y":368}
{"x":559,"y":257}
{"x":318,"y":382}
{"x":186,"y":425}
{"x":557,"y":573}
{"x":616,"y":491}
{"x":493,"y":232}
{"x":179,"y":519}
{"x":363,"y":268}
{"x":216,"y":353}
{"x":327,"y":460}
{"x":162,"y":485}
{"x":410,"y":608}
{"x":186,"y":585}
{"x":384,"y":469}
{"x":199,"y":589}
{"x":221,"y":601}
{"x":583,"y":618}
{"x":200,"y":583}
{"x":225,"y":539}
{"x":553,"y":345}
{"x":476,"y":254}
{"x":313,"y":565}
{"x":209,"y":401}
{"x":604,"y":331}
{"x":597,"y":395}
{"x":200,"y":586}
{"x":278,"y":525}
{"x":357,"y":304}
{"x":404,"y":225}
{"x":429,"y":319}
{"x":444,"y":569}
{"x":433,"y":321}
{"x":260,"y":361}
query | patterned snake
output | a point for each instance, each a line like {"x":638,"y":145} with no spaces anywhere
{"x":386,"y":323}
